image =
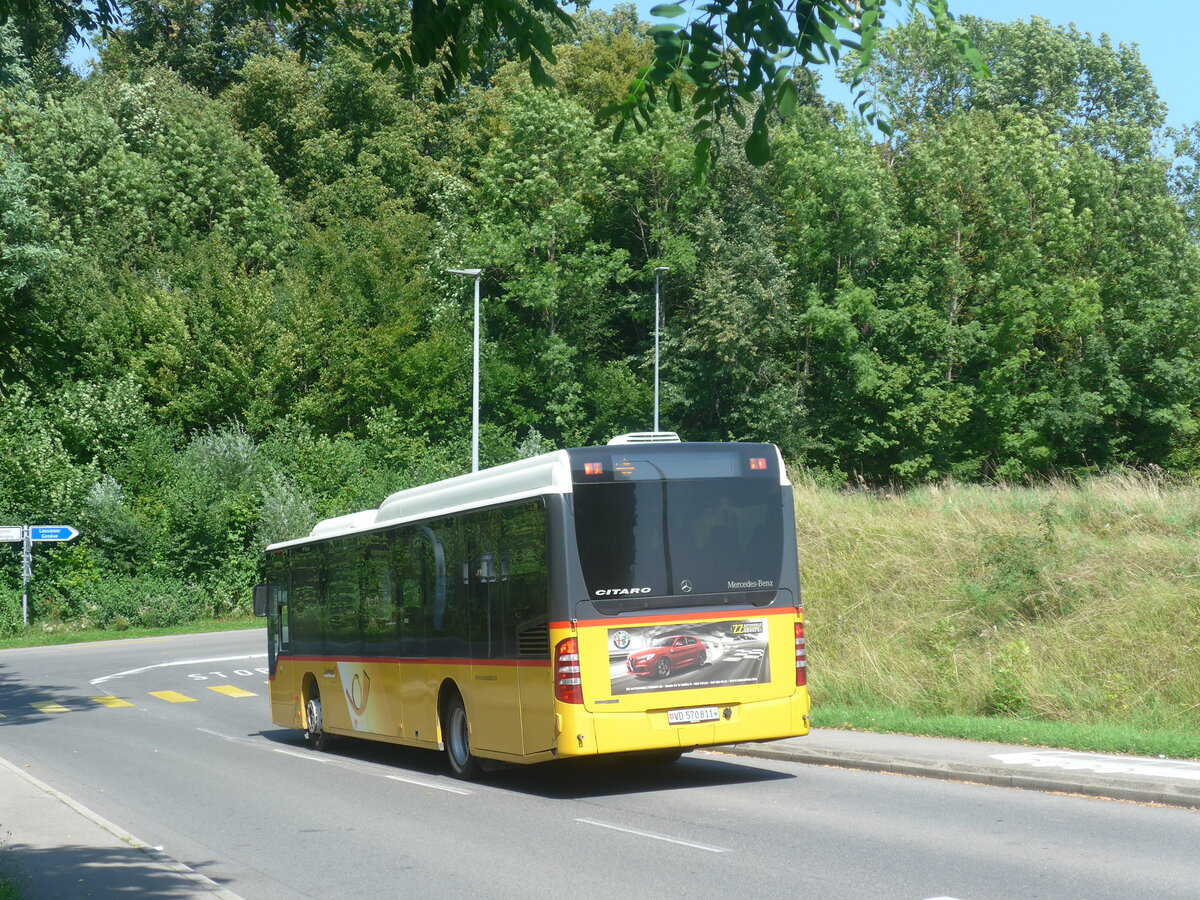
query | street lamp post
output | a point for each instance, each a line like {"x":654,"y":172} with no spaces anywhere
{"x":658,"y":270}
{"x":474,"y":273}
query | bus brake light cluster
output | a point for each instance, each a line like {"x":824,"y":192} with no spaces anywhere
{"x":758,"y":464}
{"x":801,"y":657}
{"x":593,"y":468}
{"x":567,"y":685}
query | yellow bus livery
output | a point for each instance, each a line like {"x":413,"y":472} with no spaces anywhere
{"x":640,"y":597}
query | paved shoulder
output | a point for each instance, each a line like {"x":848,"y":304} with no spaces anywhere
{"x":1142,"y":779}
{"x":52,"y":846}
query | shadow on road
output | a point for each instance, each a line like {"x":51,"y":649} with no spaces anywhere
{"x":568,"y":779}
{"x":17,"y":699}
{"x":78,"y":871}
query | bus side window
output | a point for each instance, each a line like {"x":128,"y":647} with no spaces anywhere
{"x":378,"y":593}
{"x":409,"y":552}
{"x":488,"y":598}
{"x":283,"y":579}
{"x":524,"y":572}
{"x":442,"y":597}
{"x":340,"y":601}
{"x":285,"y":642}
{"x":487,"y":567}
{"x":276,"y":605}
{"x":307,"y":566}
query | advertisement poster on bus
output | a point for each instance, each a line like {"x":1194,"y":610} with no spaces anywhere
{"x":684,"y":656}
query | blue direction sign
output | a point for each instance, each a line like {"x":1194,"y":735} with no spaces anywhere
{"x":52,"y":533}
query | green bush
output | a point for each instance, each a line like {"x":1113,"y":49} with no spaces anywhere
{"x":150,"y":600}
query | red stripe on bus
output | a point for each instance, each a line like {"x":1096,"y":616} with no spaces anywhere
{"x":682,"y":618}
{"x":422,"y":661}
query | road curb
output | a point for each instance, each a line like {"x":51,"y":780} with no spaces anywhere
{"x":202,"y":882}
{"x":1184,"y":796}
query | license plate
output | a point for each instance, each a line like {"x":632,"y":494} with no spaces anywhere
{"x":694,"y":714}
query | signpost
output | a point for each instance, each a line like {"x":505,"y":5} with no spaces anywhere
{"x":27,"y":534}
{"x":52,"y":533}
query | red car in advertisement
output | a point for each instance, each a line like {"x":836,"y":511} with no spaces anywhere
{"x":665,"y":655}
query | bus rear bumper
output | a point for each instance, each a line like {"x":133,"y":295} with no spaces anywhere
{"x":581,"y":733}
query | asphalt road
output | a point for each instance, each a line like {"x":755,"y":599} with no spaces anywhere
{"x":193,"y":764}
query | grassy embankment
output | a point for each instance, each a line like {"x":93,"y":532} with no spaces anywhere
{"x":37,"y":635}
{"x":1059,"y":615}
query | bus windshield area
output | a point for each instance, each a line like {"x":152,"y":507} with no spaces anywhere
{"x":686,"y":538}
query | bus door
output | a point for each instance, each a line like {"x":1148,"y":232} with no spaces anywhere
{"x":495,"y":708}
{"x":524,"y":576}
{"x":270,"y":600}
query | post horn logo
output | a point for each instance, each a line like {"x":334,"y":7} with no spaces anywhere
{"x":358,"y":693}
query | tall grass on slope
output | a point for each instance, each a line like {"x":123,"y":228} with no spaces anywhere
{"x":1075,"y":603}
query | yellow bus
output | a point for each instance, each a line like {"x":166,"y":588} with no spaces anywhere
{"x":638,"y":597}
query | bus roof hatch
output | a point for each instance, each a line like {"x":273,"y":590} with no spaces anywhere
{"x":647,"y":437}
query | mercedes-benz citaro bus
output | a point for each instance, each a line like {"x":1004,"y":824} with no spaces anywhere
{"x":640,"y":597}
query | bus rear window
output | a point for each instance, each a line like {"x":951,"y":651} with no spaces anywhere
{"x":641,"y":539}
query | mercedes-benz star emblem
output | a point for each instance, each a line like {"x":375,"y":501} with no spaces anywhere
{"x":685,"y":586}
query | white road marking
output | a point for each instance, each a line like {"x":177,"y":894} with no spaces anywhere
{"x":308,"y":756}
{"x":426,"y":784}
{"x":657,"y":837}
{"x":1102,"y":764}
{"x":365,"y":768}
{"x":358,"y":767}
{"x":250,"y":742}
{"x":179,"y":662}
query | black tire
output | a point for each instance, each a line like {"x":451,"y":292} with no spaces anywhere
{"x":456,"y":733}
{"x":314,"y":723}
{"x":702,"y":658}
{"x":663,"y":667}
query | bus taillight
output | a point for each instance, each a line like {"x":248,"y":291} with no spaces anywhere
{"x":567,"y":685}
{"x":801,"y":657}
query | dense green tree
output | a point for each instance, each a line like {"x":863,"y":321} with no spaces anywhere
{"x":38,"y":477}
{"x":731,"y":55}
{"x":224,"y":310}
{"x":206,"y":44}
{"x":128,"y":168}
{"x":25,"y":253}
{"x":531,"y":213}
{"x":361,"y":332}
{"x":1083,"y":87}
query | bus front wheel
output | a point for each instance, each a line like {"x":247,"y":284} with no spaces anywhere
{"x":458,"y":741}
{"x":314,"y":725}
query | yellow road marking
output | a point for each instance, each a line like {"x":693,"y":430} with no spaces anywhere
{"x":172,"y":697}
{"x":49,"y":706}
{"x":111,"y":702}
{"x":230,"y":691}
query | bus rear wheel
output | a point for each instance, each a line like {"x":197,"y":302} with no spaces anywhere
{"x":314,"y":725}
{"x":458,"y":741}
